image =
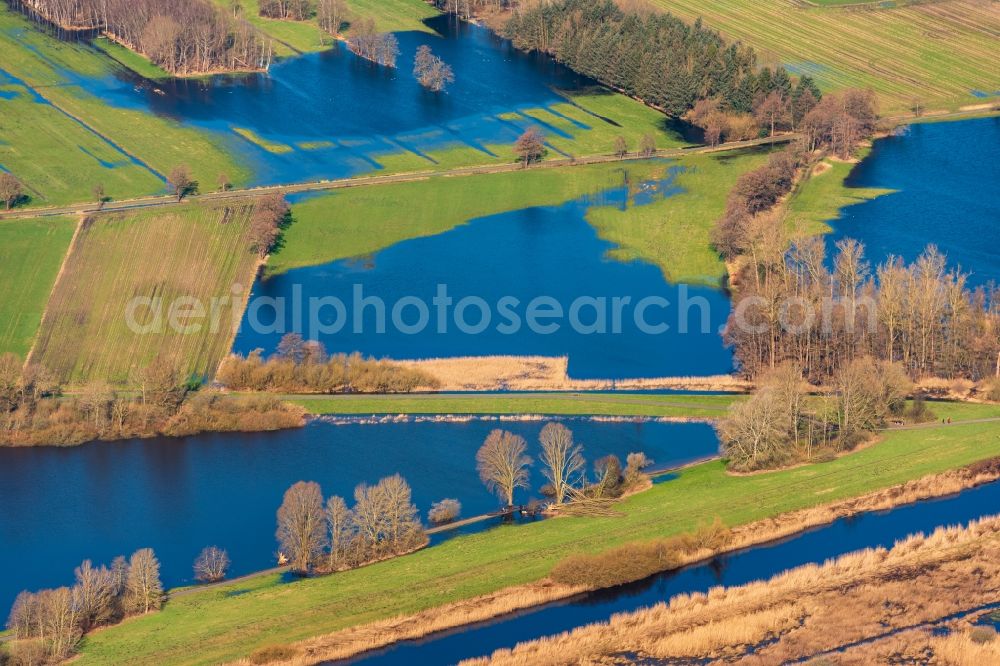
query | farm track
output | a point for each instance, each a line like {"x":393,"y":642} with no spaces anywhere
{"x":319,"y":186}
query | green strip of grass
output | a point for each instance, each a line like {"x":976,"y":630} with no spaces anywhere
{"x":675,"y":233}
{"x":597,"y":404}
{"x":229,"y":622}
{"x":139,"y":64}
{"x":819,"y":198}
{"x":394,"y":15}
{"x":31,"y":252}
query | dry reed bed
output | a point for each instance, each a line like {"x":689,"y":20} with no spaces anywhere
{"x":922,"y":646}
{"x":540,"y":373}
{"x":355,"y":640}
{"x":799,"y":612}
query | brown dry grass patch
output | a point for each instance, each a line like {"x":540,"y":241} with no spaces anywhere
{"x":547,"y":373}
{"x":801,"y":612}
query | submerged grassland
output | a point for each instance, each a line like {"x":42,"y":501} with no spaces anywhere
{"x":231,"y":621}
{"x":934,"y":52}
{"x":587,"y":123}
{"x":62,"y":140}
{"x":31,"y":252}
{"x":672,"y":232}
{"x":199,"y":251}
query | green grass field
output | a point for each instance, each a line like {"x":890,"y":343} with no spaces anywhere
{"x":31,"y":252}
{"x":564,"y":404}
{"x":57,"y":145}
{"x":229,"y":622}
{"x":937,"y":52}
{"x":128,"y":58}
{"x":394,"y":15}
{"x":193,"y":250}
{"x":675,"y":233}
{"x":820,"y":197}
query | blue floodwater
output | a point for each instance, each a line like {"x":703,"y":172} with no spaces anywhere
{"x":847,"y":534}
{"x":180,"y":495}
{"x":546,"y":252}
{"x":947,"y":175}
{"x":357,"y":111}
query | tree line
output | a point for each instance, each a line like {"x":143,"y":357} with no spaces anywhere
{"x":921,"y":315}
{"x":46,"y":626}
{"x":781,"y":423}
{"x":503,"y":465}
{"x":318,"y":536}
{"x":181,"y":36}
{"x":157,"y":401}
{"x":653,"y":56}
{"x":300,"y":366}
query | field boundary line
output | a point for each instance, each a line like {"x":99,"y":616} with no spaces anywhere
{"x":55,"y":285}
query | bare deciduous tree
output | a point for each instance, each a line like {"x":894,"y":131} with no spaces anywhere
{"x":211,"y":564}
{"x":301,"y":529}
{"x":95,"y":595}
{"x":503,"y":464}
{"x":530,"y":146}
{"x":331,"y":14}
{"x":340,"y":521}
{"x":563,"y":460}
{"x":621,"y":147}
{"x":143,"y":589}
{"x":180,"y":181}
{"x":647,"y":145}
{"x":430,"y":71}
{"x":10,"y":189}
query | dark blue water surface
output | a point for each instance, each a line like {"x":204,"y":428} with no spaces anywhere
{"x":862,"y":531}
{"x":336,"y":114}
{"x":947,"y":175}
{"x":547,"y":253}
{"x":61,"y":505}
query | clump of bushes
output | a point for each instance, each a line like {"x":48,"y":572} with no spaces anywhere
{"x":444,"y":511}
{"x":635,"y":561}
{"x":157,"y":401}
{"x":301,"y":366}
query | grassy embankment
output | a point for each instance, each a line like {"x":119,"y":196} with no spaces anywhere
{"x":229,"y":622}
{"x":31,"y":252}
{"x":564,"y":404}
{"x":816,"y":201}
{"x":193,"y":250}
{"x":60,"y":158}
{"x":672,"y":232}
{"x":937,"y":52}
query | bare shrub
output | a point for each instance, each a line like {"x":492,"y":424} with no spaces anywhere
{"x":444,"y":511}
{"x":211,"y":565}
